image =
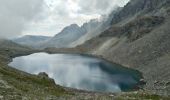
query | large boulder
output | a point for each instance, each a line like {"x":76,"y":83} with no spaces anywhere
{"x":44,"y":76}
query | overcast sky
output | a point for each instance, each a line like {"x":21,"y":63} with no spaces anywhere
{"x":48,"y":17}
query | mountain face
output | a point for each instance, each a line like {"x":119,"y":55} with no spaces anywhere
{"x":139,"y":38}
{"x":65,"y":37}
{"x":90,"y":29}
{"x":95,"y":27}
{"x":139,"y":8}
{"x":30,"y":40}
{"x":74,"y":35}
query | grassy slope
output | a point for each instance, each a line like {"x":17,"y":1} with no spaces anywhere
{"x":16,"y":84}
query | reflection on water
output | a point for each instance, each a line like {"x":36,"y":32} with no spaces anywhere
{"x":79,"y":71}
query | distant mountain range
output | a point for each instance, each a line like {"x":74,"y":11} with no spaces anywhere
{"x":70,"y":36}
{"x":63,"y":39}
{"x":31,"y":40}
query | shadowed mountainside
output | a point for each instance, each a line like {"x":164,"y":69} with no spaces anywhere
{"x":139,"y":38}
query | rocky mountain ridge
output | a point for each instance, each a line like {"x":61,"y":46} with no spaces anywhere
{"x":65,"y":37}
{"x":139,"y":39}
{"x":70,"y":36}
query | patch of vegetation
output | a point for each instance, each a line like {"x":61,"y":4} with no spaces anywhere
{"x":30,"y":83}
{"x":140,"y":96}
{"x":23,"y":83}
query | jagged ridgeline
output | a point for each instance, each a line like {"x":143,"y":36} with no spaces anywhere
{"x":70,"y":36}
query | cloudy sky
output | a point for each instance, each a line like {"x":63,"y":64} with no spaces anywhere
{"x":48,"y":17}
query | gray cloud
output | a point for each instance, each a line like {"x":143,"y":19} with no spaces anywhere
{"x":61,"y":13}
{"x":37,"y":17}
{"x":100,"y":6}
{"x":15,"y":14}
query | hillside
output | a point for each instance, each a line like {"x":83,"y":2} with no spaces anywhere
{"x":30,"y":40}
{"x":8,"y":44}
{"x":139,"y":38}
{"x":18,"y":85}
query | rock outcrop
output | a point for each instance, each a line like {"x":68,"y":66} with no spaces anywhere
{"x":45,"y":76}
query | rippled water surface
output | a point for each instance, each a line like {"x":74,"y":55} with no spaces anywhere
{"x":79,"y":71}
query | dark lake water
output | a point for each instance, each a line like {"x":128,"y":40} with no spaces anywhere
{"x":79,"y":71}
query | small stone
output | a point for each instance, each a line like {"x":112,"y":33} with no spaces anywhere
{"x":142,"y":81}
{"x":111,"y":95}
{"x":1,"y":97}
{"x":168,"y":83}
{"x":140,"y":51}
{"x":6,"y":49}
{"x":136,"y":92}
{"x":156,"y":82}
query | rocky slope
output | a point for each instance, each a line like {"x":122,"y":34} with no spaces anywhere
{"x":95,"y":27}
{"x":139,"y":38}
{"x":73,"y":35}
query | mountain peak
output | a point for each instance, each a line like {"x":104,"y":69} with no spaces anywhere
{"x":68,"y":29}
{"x":73,"y":25}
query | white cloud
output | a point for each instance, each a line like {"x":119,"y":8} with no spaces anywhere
{"x":56,"y":14}
{"x":14,"y":14}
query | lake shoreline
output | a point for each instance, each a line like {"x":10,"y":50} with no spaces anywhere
{"x":78,"y":93}
{"x":121,"y":69}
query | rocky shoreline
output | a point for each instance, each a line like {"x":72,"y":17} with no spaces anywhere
{"x":62,"y":93}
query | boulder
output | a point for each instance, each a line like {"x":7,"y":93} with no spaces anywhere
{"x":43,"y":74}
